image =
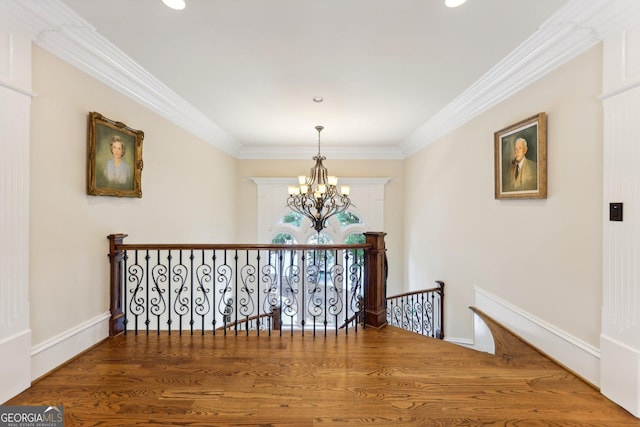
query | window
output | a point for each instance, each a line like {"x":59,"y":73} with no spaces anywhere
{"x":345,"y":227}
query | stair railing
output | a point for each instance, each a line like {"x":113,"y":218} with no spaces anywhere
{"x":421,"y":312}
{"x":239,"y":288}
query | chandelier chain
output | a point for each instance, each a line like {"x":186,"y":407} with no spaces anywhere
{"x":319,"y":129}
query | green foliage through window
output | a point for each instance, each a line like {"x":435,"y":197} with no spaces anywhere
{"x":348,"y":218}
{"x":355,"y":239}
{"x":292,"y":218}
{"x":283,"y":239}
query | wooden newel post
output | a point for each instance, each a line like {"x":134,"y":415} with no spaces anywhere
{"x":116,"y":322}
{"x":375,"y":314}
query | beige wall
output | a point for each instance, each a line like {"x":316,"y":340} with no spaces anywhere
{"x":543,"y":256}
{"x":394,"y":194}
{"x":186,"y":184}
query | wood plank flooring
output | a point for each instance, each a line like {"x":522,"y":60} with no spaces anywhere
{"x":386,"y":377}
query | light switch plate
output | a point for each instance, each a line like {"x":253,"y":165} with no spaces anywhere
{"x":615,"y":211}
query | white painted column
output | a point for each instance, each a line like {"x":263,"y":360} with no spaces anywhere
{"x":15,"y":103}
{"x":620,"y":335}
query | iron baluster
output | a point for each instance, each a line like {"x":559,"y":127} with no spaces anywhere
{"x":235,"y":293}
{"x":169,"y":259}
{"x":247,"y":304}
{"x":181,"y":303}
{"x":226,"y":298}
{"x":213,"y":291}
{"x":191,"y":291}
{"x":158,"y":304}
{"x":314,"y":304}
{"x":137,"y":303}
{"x":202,"y":303}
{"x":269,"y":278}
{"x":303,"y":287}
{"x":257,"y":284}
{"x":125,"y":281}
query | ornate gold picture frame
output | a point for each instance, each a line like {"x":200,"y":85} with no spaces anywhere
{"x":521,"y":159}
{"x":114,"y":166}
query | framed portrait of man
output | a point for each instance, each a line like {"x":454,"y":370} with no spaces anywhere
{"x":521,"y":159}
{"x":114,"y":166}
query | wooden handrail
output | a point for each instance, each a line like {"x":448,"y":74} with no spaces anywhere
{"x":350,"y":320}
{"x":275,"y":315}
{"x":406,"y":294}
{"x":231,"y":246}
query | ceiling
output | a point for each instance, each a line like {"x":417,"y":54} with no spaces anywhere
{"x":242,"y":74}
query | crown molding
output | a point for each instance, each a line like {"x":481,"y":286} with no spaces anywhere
{"x":294,"y":181}
{"x":56,"y":28}
{"x":330,"y":151}
{"x":576,"y":27}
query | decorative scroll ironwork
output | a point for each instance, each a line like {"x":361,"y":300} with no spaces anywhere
{"x":335,"y":300}
{"x":243,"y":291}
{"x":225,"y":305}
{"x":182,"y":301}
{"x":420,"y":312}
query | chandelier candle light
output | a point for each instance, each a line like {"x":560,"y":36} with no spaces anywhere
{"x":317,"y":195}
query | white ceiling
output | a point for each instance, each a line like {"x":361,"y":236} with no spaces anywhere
{"x":242,"y":73}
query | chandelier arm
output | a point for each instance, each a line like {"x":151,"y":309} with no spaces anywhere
{"x":300,"y":204}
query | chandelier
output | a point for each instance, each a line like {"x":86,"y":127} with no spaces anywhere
{"x":317,"y":196}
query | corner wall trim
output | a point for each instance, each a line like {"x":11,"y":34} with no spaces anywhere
{"x":14,"y":364}
{"x":573,"y":353}
{"x":57,"y":350}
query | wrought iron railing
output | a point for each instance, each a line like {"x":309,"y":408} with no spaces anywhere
{"x":261,"y":289}
{"x":420,"y":311}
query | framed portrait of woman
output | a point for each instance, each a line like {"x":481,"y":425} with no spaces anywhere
{"x":521,"y":159}
{"x":114,"y":166}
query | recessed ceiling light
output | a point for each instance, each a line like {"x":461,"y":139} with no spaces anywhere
{"x":175,"y":4}
{"x":317,"y":99}
{"x":454,"y":3}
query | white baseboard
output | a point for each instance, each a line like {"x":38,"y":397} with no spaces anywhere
{"x":465,"y":342}
{"x":571,"y":352}
{"x":57,"y":350}
{"x":621,"y":374}
{"x":15,"y":366}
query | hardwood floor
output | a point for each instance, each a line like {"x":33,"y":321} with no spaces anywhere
{"x":386,"y":377}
